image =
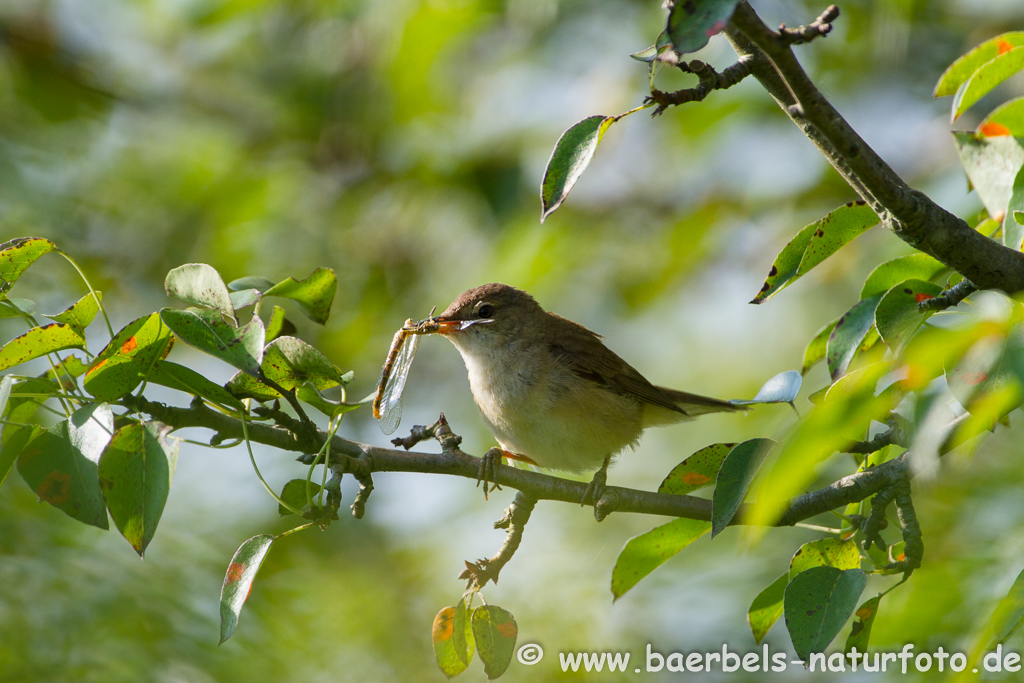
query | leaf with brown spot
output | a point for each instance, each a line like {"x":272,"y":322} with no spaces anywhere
{"x":697,"y":471}
{"x":495,"y":632}
{"x":60,"y":465}
{"x":238,"y":581}
{"x":17,"y":255}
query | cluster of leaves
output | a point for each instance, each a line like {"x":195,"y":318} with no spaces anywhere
{"x":461,"y":630}
{"x":101,"y":455}
{"x":888,"y":360}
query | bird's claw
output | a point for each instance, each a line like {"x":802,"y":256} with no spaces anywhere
{"x":488,"y":470}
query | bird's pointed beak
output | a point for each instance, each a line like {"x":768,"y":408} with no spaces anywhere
{"x":443,"y":325}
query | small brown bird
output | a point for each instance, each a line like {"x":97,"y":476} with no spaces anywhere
{"x":550,"y":391}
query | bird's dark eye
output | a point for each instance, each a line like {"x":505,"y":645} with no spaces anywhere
{"x":485,"y":311}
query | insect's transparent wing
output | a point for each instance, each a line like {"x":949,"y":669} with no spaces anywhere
{"x":394,"y":385}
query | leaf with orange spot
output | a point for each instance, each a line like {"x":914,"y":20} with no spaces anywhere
{"x":644,"y":553}
{"x":962,"y":69}
{"x":1006,"y":119}
{"x":60,"y":464}
{"x":860,"y":632}
{"x":128,"y":358}
{"x":988,"y":76}
{"x":238,"y":581}
{"x":898,"y":316}
{"x":697,"y":471}
{"x":452,"y":637}
{"x":495,"y":633}
{"x":38,"y":342}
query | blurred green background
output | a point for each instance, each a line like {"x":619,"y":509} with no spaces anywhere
{"x":402,"y":142}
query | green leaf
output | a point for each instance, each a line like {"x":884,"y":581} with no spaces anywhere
{"x":571,"y":156}
{"x":815,"y":350}
{"x":135,"y":473}
{"x":817,"y":604}
{"x":79,"y":314}
{"x":825,"y":552}
{"x":734,"y":478}
{"x":6,"y":382}
{"x":988,"y":76}
{"x":898,"y":316}
{"x":692,"y":23}
{"x":241,"y":347}
{"x":817,"y":436}
{"x":126,"y":360}
{"x":650,"y":54}
{"x":767,"y":608}
{"x":186,"y":379}
{"x":311,"y":395}
{"x":697,"y":471}
{"x":15,"y":440}
{"x":40,"y":341}
{"x":1006,"y":119}
{"x":1013,"y":231}
{"x":860,"y":633}
{"x":644,"y":553}
{"x":849,"y":332}
{"x":243,"y":385}
{"x":834,"y":231}
{"x":962,"y":69}
{"x":891,"y":273}
{"x":314,"y":295}
{"x":200,"y":284}
{"x":452,"y":637}
{"x":1007,"y":616}
{"x":16,"y":308}
{"x":60,"y":465}
{"x":814,"y":244}
{"x":992,"y":164}
{"x":244,"y":297}
{"x":278,"y":324}
{"x":256,"y":282}
{"x":292,"y":362}
{"x":17,"y":255}
{"x":495,"y":632}
{"x":26,"y":397}
{"x":294,"y":493}
{"x":782,"y":388}
{"x":238,"y":581}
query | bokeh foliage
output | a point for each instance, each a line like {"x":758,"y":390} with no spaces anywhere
{"x":401,"y":143}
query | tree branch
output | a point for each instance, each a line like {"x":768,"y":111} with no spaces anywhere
{"x":361,"y":460}
{"x":910,"y":214}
